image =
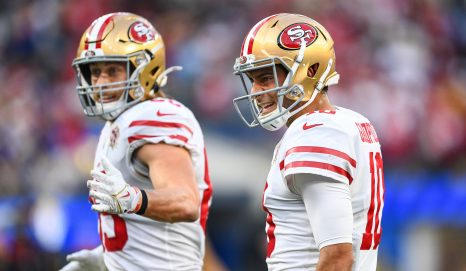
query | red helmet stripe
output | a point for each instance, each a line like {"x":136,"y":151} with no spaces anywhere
{"x":249,"y":41}
{"x":101,"y":30}
{"x":96,"y":31}
{"x":86,"y":43}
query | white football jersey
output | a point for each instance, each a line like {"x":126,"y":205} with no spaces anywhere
{"x":340,"y":144}
{"x":134,"y":242}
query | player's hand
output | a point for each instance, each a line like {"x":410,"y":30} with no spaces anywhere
{"x":85,"y":260}
{"x":110,"y":191}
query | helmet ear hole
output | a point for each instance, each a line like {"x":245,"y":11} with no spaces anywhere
{"x":312,"y":70}
{"x":154,"y":71}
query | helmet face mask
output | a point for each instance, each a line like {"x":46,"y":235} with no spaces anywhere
{"x":296,"y":43}
{"x":93,"y":97}
{"x":273,"y":120}
{"x":124,"y":38}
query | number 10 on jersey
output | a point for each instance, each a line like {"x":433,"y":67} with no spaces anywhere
{"x":371,"y":236}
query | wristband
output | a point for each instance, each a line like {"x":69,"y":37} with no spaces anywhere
{"x":143,"y":208}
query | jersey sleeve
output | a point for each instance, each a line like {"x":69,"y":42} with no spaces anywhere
{"x":328,"y":205}
{"x":161,"y":121}
{"x":324,"y":150}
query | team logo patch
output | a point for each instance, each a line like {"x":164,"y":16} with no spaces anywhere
{"x":141,"y":32}
{"x":89,"y":53}
{"x":115,"y":134}
{"x":290,"y":38}
{"x":242,"y":59}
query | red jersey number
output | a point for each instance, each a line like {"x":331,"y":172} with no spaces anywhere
{"x":371,"y":237}
{"x":113,"y":233}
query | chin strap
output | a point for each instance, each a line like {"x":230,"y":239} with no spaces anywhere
{"x":161,"y":80}
{"x":299,"y":58}
{"x":320,"y":84}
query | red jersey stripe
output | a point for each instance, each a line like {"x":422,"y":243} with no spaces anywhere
{"x":207,"y":194}
{"x":316,"y":149}
{"x":271,"y":228}
{"x":180,"y":137}
{"x":155,"y":123}
{"x":138,"y":137}
{"x":320,"y":165}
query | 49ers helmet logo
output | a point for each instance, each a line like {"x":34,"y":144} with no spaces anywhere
{"x":290,"y":38}
{"x":141,"y":32}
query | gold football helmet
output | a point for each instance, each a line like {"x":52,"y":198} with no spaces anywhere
{"x":297,"y":43}
{"x":126,"y":38}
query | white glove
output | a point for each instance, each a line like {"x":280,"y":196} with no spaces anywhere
{"x":111,"y":193}
{"x":85,"y":260}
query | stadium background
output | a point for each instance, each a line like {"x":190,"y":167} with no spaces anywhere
{"x":402,"y":64}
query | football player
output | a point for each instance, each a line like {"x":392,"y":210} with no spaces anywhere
{"x":324,"y":193}
{"x":150,"y":182}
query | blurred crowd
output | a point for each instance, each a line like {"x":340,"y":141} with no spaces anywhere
{"x":402,"y":64}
